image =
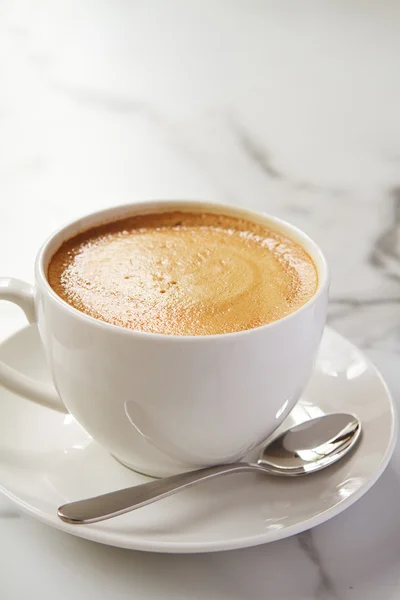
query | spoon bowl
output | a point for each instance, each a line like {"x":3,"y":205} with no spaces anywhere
{"x":311,"y":446}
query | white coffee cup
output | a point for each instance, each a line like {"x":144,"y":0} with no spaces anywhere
{"x":162,"y":404}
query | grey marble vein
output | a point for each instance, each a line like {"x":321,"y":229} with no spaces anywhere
{"x":104,"y":100}
{"x":258,"y":154}
{"x":358,"y":302}
{"x":340,"y":308}
{"x":387,"y":244}
{"x":325,"y":589}
{"x":255,"y":151}
{"x":298,"y":210}
{"x":126,"y":107}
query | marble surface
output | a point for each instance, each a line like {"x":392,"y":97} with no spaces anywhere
{"x":286,"y":107}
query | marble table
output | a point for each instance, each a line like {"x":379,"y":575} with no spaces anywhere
{"x":287,"y":107}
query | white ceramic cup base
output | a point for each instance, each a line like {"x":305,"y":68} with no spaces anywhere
{"x":162,"y":404}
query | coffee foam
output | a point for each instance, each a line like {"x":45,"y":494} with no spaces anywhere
{"x":183,"y":273}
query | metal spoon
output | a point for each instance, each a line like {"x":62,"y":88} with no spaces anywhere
{"x":304,"y":449}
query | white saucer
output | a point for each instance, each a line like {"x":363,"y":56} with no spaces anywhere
{"x":47,"y":459}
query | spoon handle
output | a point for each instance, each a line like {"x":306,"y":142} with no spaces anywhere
{"x":100,"y":508}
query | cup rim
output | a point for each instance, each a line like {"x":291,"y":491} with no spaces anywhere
{"x":141,"y":207}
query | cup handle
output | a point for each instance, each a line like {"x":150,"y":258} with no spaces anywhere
{"x":23,"y":294}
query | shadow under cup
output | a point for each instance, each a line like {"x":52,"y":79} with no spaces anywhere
{"x":163,"y":404}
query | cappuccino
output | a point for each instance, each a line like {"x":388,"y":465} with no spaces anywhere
{"x":183,"y":273}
